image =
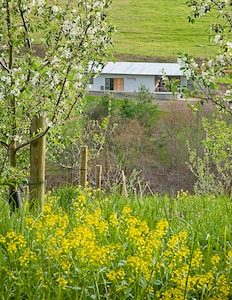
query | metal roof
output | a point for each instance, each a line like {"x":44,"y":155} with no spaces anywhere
{"x":142,"y":68}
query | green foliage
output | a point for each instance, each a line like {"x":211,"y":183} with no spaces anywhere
{"x":213,"y":170}
{"x":142,"y":108}
{"x":99,"y":107}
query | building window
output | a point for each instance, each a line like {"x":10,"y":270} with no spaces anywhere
{"x":114,"y":84}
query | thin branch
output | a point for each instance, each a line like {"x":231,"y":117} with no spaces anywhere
{"x":4,"y":66}
{"x":25,"y":27}
{"x":61,"y":93}
{"x":28,"y":45}
{"x":5,"y":145}
{"x":8,"y":21}
{"x":34,"y":139}
{"x":72,"y":106}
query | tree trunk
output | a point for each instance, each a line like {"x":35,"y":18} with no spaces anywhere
{"x":37,"y":165}
{"x":15,"y":200}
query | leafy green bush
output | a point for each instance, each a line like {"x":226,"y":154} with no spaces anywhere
{"x":213,"y":169}
{"x":141,"y":108}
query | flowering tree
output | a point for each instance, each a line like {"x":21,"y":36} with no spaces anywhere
{"x":72,"y":38}
{"x":213,"y":80}
{"x":213,"y":76}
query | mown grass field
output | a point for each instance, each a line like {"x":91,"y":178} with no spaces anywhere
{"x":158,"y":29}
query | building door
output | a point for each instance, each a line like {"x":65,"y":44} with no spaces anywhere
{"x":114,"y":84}
{"x":118,"y":84}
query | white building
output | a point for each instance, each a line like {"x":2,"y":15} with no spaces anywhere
{"x":128,"y":77}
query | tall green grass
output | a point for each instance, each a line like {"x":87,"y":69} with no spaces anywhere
{"x":159,"y":29}
{"x":88,"y":245}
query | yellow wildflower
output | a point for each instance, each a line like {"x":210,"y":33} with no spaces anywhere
{"x":229,"y":257}
{"x":12,"y":247}
{"x":39,"y":272}
{"x":10,"y":234}
{"x":120,"y":273}
{"x":81,"y":199}
{"x":215,"y":259}
{"x":197,"y":259}
{"x":47,"y":208}
{"x":29,"y":221}
{"x":112,"y":275}
{"x":2,"y":239}
{"x":62,"y":282}
{"x":113,"y":219}
{"x":27,"y":257}
{"x":65,"y":265}
{"x":223,"y":287}
{"x":126,"y":210}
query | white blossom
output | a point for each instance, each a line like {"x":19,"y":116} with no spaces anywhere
{"x":17,"y":138}
{"x":55,"y":61}
{"x":6,"y":79}
{"x":221,"y":59}
{"x":35,"y":79}
{"x":15,"y":92}
{"x":41,"y":2}
{"x":187,"y":73}
{"x":1,"y":96}
{"x":217,"y":38}
{"x":67,"y":53}
{"x":229,"y":45}
{"x":56,"y":78}
{"x":55,"y":9}
{"x":67,"y":25}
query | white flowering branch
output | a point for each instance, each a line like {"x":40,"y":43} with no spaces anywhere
{"x":215,"y":72}
{"x":73,"y":37}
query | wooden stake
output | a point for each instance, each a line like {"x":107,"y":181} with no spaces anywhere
{"x":37,"y":165}
{"x":83,"y":169}
{"x":98,"y":176}
{"x":124,"y":189}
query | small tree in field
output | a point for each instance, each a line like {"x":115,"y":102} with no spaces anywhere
{"x":73,"y":38}
{"x":213,"y":80}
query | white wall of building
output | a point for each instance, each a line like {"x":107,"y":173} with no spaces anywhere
{"x":132,"y":83}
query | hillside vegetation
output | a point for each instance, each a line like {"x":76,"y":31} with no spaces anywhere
{"x":158,"y":29}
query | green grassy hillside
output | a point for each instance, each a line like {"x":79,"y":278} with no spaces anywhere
{"x":158,"y":29}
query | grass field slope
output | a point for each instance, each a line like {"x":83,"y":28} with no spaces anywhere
{"x":160,"y":29}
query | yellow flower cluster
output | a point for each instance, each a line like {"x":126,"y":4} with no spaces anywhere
{"x":118,"y":248}
{"x":113,"y":275}
{"x":27,"y":257}
{"x":14,"y":242}
{"x":182,"y":194}
{"x":62,"y":282}
{"x":96,"y":220}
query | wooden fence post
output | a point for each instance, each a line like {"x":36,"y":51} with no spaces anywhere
{"x":83,"y":169}
{"x":37,"y":165}
{"x":98,"y":176}
{"x":124,"y":188}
